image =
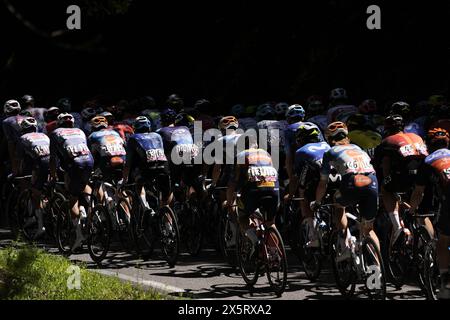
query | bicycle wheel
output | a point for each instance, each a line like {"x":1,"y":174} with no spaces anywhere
{"x":65,"y":231}
{"x":247,"y":260}
{"x":123,"y":211}
{"x":170,"y":236}
{"x":421,"y":239}
{"x":398,"y":262}
{"x":276,"y":261}
{"x":310,"y":258}
{"x":194,"y":229}
{"x":225,"y":239}
{"x":344,"y":273}
{"x":13,"y":221}
{"x":53,"y":210}
{"x":431,"y":271}
{"x":143,"y":232}
{"x":99,"y":233}
{"x":375,"y":275}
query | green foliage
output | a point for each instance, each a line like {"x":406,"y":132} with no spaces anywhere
{"x":32,"y":274}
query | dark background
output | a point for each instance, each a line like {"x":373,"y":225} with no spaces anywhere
{"x":229,"y":52}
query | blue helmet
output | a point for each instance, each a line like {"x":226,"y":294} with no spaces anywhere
{"x":142,"y":124}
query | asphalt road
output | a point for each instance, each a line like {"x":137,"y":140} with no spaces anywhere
{"x":209,"y":277}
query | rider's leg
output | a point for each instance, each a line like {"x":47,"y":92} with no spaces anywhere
{"x":392,"y":208}
{"x":367,"y":230}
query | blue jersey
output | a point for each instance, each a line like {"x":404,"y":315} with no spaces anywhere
{"x":107,"y":143}
{"x":289,"y":137}
{"x":144,"y":149}
{"x":308,"y":162}
{"x":346,"y":159}
{"x":35,"y":145}
{"x":178,"y":140}
{"x":417,"y":126}
{"x":11,"y":128}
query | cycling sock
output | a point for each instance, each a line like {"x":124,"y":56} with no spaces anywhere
{"x":144,"y":202}
{"x":395,"y":219}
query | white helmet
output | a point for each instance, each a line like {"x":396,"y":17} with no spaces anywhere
{"x":338,"y":94}
{"x":65,"y":118}
{"x":11,"y":106}
{"x":27,"y":123}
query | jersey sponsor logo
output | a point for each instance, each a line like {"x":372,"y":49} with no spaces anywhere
{"x":262,"y":174}
{"x":183,"y":149}
{"x":41,"y":150}
{"x":77,"y":150}
{"x":113,"y":149}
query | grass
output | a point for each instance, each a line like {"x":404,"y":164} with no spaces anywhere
{"x":32,"y":274}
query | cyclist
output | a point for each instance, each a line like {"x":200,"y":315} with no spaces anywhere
{"x":363,"y":133}
{"x":108,"y":150}
{"x":436,"y":169}
{"x":181,"y":151}
{"x":369,"y":109}
{"x":339,"y":109}
{"x":175,"y":102}
{"x":88,"y":112}
{"x":65,"y":106}
{"x":33,"y":150}
{"x":266,"y":118}
{"x":403,"y":109}
{"x":359,"y":184}
{"x":397,"y":160}
{"x":280,"y":111}
{"x":68,"y":146}
{"x":146,"y":162}
{"x":28,"y":105}
{"x":308,"y":163}
{"x":255,"y":178}
{"x":50,"y":117}
{"x":316,"y":112}
{"x":12,"y":130}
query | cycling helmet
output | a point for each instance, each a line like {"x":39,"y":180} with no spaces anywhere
{"x":336,"y":131}
{"x":147,"y":102}
{"x":99,"y":122}
{"x":29,"y":124}
{"x":202,"y":105}
{"x":315,"y":105}
{"x":438,"y":136}
{"x":295,"y":111}
{"x":11,"y":107}
{"x":27,"y":100}
{"x":400,"y":108}
{"x":229,"y":122}
{"x":64,"y":104}
{"x":338,"y":94}
{"x":265,"y":113}
{"x":436,"y":100}
{"x":142,"y":124}
{"x":356,"y":121}
{"x":237,"y":110}
{"x":65,"y":119}
{"x":281,"y":108}
{"x":394,"y":123}
{"x":51,"y":114}
{"x":88,"y":113}
{"x":250,"y":111}
{"x":308,"y":132}
{"x":184,"y":119}
{"x":368,"y":106}
{"x":168,"y":116}
{"x":175,"y":101}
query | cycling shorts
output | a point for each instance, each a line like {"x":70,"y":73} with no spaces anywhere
{"x":360,"y":189}
{"x":252,"y":199}
{"x":77,"y":176}
{"x":160,"y":176}
{"x":40,"y":172}
{"x":191,"y":175}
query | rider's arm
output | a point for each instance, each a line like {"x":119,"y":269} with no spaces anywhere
{"x":232,"y":185}
{"x":13,"y":157}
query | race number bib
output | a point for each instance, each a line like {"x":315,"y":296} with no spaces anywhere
{"x":155,"y":155}
{"x":190,"y":149}
{"x":359,"y":164}
{"x":262,"y":174}
{"x":115,"y":149}
{"x":413,"y":150}
{"x":41,"y":151}
{"x":77,"y":150}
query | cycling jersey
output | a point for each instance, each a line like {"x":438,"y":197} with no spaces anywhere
{"x":436,"y":169}
{"x":346,"y":159}
{"x":320,"y":120}
{"x":308,"y":161}
{"x":11,"y":128}
{"x":289,"y":137}
{"x":341,"y":113}
{"x":124,"y":130}
{"x":144,"y":150}
{"x":107,"y":148}
{"x":70,"y":145}
{"x":247,"y":123}
{"x":275,"y":133}
{"x":178,"y":140}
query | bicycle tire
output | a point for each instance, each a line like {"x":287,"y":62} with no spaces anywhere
{"x":99,"y":227}
{"x":421,"y":239}
{"x":311,"y":259}
{"x":346,"y":285}
{"x":278,"y":285}
{"x":431,"y":271}
{"x":21,"y":207}
{"x":250,"y":274}
{"x":65,"y":231}
{"x":229,"y":254}
{"x":170,"y":237}
{"x":55,"y":208}
{"x":194,"y":230}
{"x":398,"y":262}
{"x":126,"y":235}
{"x":369,"y":249}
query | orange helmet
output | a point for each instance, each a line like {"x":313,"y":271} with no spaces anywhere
{"x":335,"y":128}
{"x":437,"y":135}
{"x":99,"y":122}
{"x":228,"y":122}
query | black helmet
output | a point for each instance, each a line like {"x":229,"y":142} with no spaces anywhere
{"x":401,"y":108}
{"x":394,"y":123}
{"x":27,"y":100}
{"x":308,"y":132}
{"x":203,"y":105}
{"x":175,"y":102}
{"x":168,"y":116}
{"x":64,"y":104}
